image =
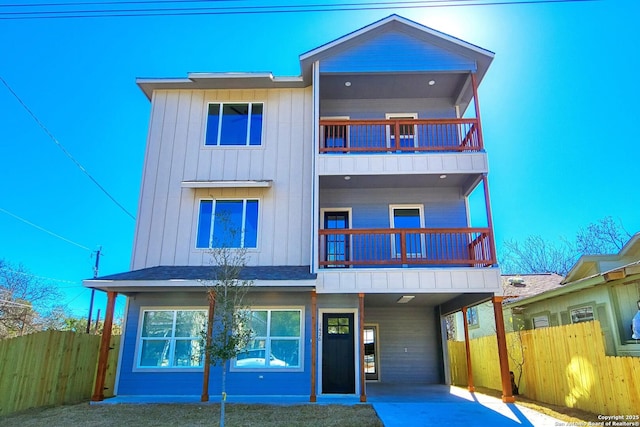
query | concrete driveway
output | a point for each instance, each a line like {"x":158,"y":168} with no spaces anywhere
{"x":440,"y":405}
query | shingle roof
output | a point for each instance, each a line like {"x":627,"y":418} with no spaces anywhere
{"x":209,"y":273}
{"x":527,"y":285}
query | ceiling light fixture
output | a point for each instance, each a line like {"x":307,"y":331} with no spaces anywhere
{"x":443,"y":176}
{"x":347,"y":178}
{"x":432,"y":82}
{"x":347,"y":84}
{"x":405,"y":299}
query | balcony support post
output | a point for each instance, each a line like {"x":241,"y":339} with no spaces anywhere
{"x":507,"y":393}
{"x":467,"y":347}
{"x":105,"y":343}
{"x":363,"y":390}
{"x":487,"y":201}
{"x":314,"y":338}
{"x":476,"y":104}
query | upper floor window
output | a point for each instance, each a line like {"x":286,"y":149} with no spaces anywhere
{"x":234,"y":124}
{"x":228,"y":223}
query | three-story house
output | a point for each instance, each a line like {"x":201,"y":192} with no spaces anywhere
{"x":349,"y":185}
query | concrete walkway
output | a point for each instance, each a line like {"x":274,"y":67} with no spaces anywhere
{"x":440,"y":405}
{"x":400,"y":405}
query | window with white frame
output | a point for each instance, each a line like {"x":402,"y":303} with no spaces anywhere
{"x":228,"y":224}
{"x":171,"y":338}
{"x":276,"y":341}
{"x":582,"y":314}
{"x":234,"y":124}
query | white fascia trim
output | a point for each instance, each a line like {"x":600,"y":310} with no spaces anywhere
{"x":184,"y":283}
{"x":227,"y":184}
{"x":270,"y":76}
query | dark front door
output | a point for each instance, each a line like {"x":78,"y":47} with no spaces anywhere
{"x":338,"y":357}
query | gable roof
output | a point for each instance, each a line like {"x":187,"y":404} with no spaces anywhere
{"x":397,"y":24}
{"x":590,"y":265}
{"x":470,"y":58}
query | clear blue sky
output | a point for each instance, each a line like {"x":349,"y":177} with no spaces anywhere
{"x":559,"y":114}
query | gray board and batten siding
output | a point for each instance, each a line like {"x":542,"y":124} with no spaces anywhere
{"x":176,"y":153}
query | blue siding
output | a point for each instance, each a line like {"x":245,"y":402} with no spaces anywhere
{"x":415,"y":329}
{"x":190,"y":383}
{"x":395,"y":52}
{"x":373,"y":109}
{"x":443,"y":208}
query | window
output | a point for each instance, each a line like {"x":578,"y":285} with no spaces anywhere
{"x":407,"y":217}
{"x":228,"y":223}
{"x":472,"y":316}
{"x":171,"y":339}
{"x":582,"y":314}
{"x":234,"y":124}
{"x":540,"y":322}
{"x":276,"y":341}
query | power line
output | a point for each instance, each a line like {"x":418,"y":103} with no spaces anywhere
{"x":44,"y":229}
{"x":45,"y":278}
{"x":99,"y":3}
{"x":64,"y":150}
{"x":245,"y":10}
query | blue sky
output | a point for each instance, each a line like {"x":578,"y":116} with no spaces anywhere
{"x":559,"y":115}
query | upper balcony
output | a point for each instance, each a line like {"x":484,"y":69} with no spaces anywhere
{"x":399,"y":136}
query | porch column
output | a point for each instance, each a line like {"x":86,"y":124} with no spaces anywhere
{"x":467,"y":346}
{"x":507,"y":395}
{"x":363,"y":394}
{"x":487,"y":202}
{"x":204,"y":397}
{"x":314,"y":345}
{"x":103,"y":356}
{"x":476,"y":105}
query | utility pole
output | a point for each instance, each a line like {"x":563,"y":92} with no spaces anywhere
{"x":93,"y":291}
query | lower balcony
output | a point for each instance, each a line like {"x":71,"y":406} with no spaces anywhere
{"x":404,"y":247}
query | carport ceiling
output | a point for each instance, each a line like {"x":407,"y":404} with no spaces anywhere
{"x":420,"y":300}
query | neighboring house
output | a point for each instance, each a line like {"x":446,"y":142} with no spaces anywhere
{"x":481,"y":319}
{"x":598,"y":287}
{"x":350,"y":186}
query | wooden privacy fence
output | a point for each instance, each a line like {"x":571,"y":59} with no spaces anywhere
{"x":563,"y":365}
{"x":51,"y":368}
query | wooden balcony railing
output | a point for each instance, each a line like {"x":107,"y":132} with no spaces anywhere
{"x":399,"y":135}
{"x":469,"y":247}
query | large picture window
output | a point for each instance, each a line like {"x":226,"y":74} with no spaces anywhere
{"x":228,"y":224}
{"x":171,"y":339}
{"x":276,"y":341}
{"x":234,"y":124}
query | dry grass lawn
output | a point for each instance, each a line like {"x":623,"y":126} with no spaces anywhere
{"x":568,"y":415}
{"x":140,"y":415}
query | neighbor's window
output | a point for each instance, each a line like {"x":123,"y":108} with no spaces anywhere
{"x":582,"y":314}
{"x":171,"y":339}
{"x":234,"y":124}
{"x":228,"y":224}
{"x":276,"y":341}
{"x":472,"y":316}
{"x":540,"y":322}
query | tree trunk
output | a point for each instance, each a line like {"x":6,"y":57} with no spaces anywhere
{"x":224,"y":392}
